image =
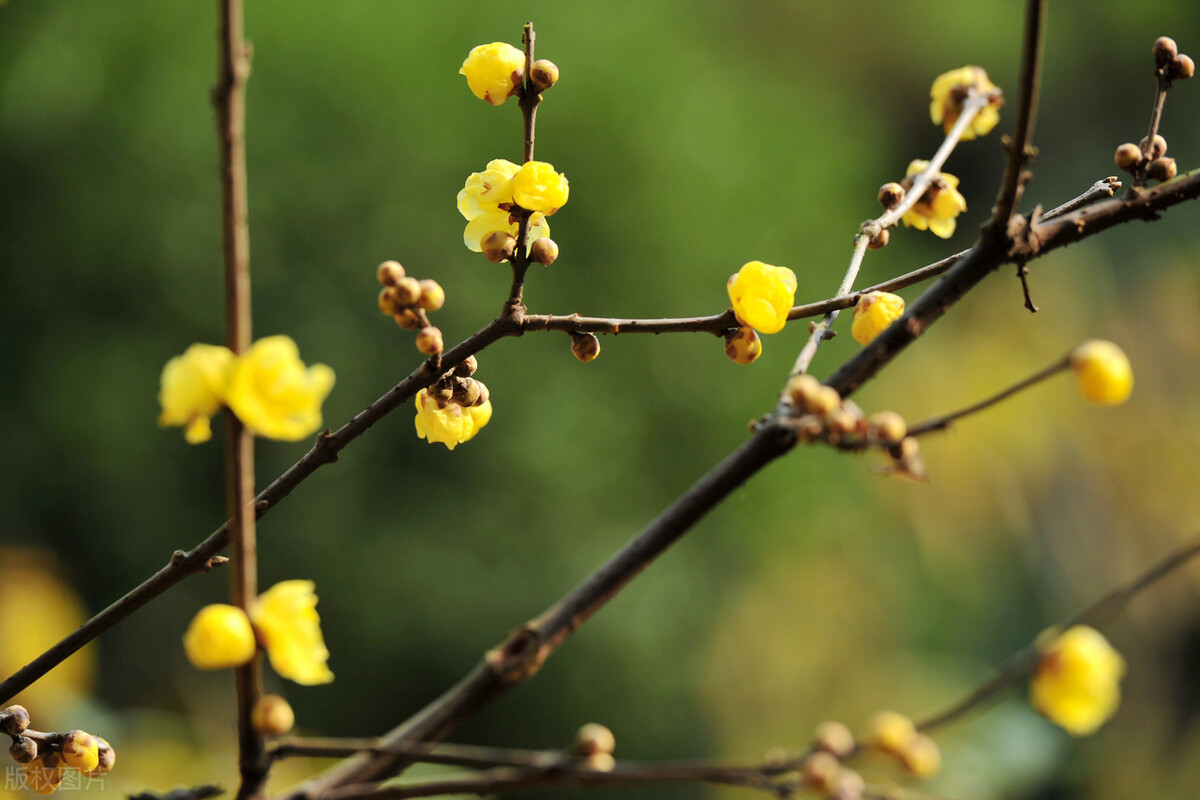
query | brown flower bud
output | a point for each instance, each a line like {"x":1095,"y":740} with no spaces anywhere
{"x":408,"y":291}
{"x":1164,"y":51}
{"x":14,"y":719}
{"x":108,"y":758}
{"x":23,"y":749}
{"x":1181,"y":68}
{"x":834,"y":738}
{"x":442,"y":394}
{"x":499,"y":246}
{"x":801,"y":389}
{"x":1161,"y":169}
{"x":1153,"y":149}
{"x":880,"y":240}
{"x":543,"y":73}
{"x":544,"y":251}
{"x":429,"y":341}
{"x":407,"y":318}
{"x":387,"y":300}
{"x":389,"y":272}
{"x":433,"y":296}
{"x":585,"y":346}
{"x":1128,"y":156}
{"x":891,"y":195}
{"x":842,"y":422}
{"x":467,"y":392}
{"x":467,"y":366}
{"x":594,"y":738}
{"x":484,"y":394}
{"x":848,"y":785}
{"x":272,"y":715}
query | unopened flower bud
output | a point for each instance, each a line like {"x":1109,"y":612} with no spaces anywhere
{"x":842,"y":422}
{"x":389,"y":272}
{"x":824,"y":400}
{"x":921,"y":758}
{"x":387,"y":300}
{"x":1128,"y":156}
{"x":466,"y":392}
{"x":108,"y":758}
{"x":80,"y":750}
{"x":1181,"y":68}
{"x":879,"y":240}
{"x":743,"y":345}
{"x":543,"y":73}
{"x":1164,"y":51}
{"x":890,"y":732}
{"x":600,"y":762}
{"x":484,"y":394}
{"x":585,"y":346}
{"x":14,"y":719}
{"x":800,"y":390}
{"x":272,"y":715}
{"x":407,"y":318}
{"x":835,"y":738}
{"x":818,"y":771}
{"x":442,"y":394}
{"x":408,"y":291}
{"x":498,"y":246}
{"x":544,"y":251}
{"x":1161,"y":169}
{"x":429,"y":341}
{"x":433,"y":296}
{"x":1156,"y":148}
{"x":888,"y":427}
{"x":23,"y":749}
{"x":467,"y":366}
{"x":891,"y":195}
{"x":594,"y":738}
{"x":848,"y":785}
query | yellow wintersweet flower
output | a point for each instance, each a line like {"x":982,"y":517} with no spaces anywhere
{"x":81,"y":751}
{"x":486,"y":203}
{"x":874,"y":312}
{"x":45,"y":773}
{"x":948,"y":94}
{"x":219,"y":637}
{"x":762,"y":295}
{"x":274,"y":394}
{"x":1077,"y":683}
{"x":193,"y":389}
{"x":938,"y":206}
{"x":1102,"y":372}
{"x":538,"y":187}
{"x":286,"y":617}
{"x":494,"y":71}
{"x":451,"y":425}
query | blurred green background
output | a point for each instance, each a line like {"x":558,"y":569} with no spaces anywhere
{"x":696,"y":136}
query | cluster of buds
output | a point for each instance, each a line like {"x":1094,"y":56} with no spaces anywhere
{"x":455,"y":408}
{"x":407,"y":300}
{"x":821,"y":415}
{"x":595,"y":743}
{"x":1148,"y":159}
{"x":459,"y":387}
{"x":46,"y":757}
{"x":894,"y":734}
{"x":1169,"y":63}
{"x":822,"y":770}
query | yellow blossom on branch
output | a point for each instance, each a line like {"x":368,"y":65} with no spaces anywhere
{"x":193,"y":389}
{"x":1102,"y":372}
{"x":494,"y":71}
{"x":1077,"y":683}
{"x":938,"y":206}
{"x":536,"y":186}
{"x":287,"y":620}
{"x":762,"y":295}
{"x":950,"y":91}
{"x":219,"y":637}
{"x":274,"y":394}
{"x":873,"y":314}
{"x":45,"y":773}
{"x":486,"y":202}
{"x":452,"y":424}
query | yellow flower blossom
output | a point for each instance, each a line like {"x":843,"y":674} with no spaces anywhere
{"x":219,"y":637}
{"x":1102,"y":372}
{"x":762,"y":295}
{"x":451,"y":425}
{"x":286,"y":617}
{"x":486,"y":203}
{"x":938,"y":206}
{"x":81,"y":751}
{"x":873,"y":314}
{"x":44,"y":777}
{"x":890,"y":732}
{"x":1077,"y":683}
{"x":494,"y":71}
{"x":274,"y":394}
{"x":948,"y":94}
{"x":193,"y":389}
{"x":538,"y":187}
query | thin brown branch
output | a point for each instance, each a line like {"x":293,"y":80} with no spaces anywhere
{"x":530,"y":99}
{"x":230,"y":100}
{"x":1020,"y":151}
{"x":942,"y":422}
{"x":460,"y":755}
{"x":1024,"y":662}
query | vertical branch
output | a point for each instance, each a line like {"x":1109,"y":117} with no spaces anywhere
{"x":1019,"y":150}
{"x":529,"y":101}
{"x":230,"y":100}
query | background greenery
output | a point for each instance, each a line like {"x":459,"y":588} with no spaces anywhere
{"x":696,"y":136}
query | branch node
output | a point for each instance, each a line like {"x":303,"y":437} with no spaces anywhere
{"x":519,"y":657}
